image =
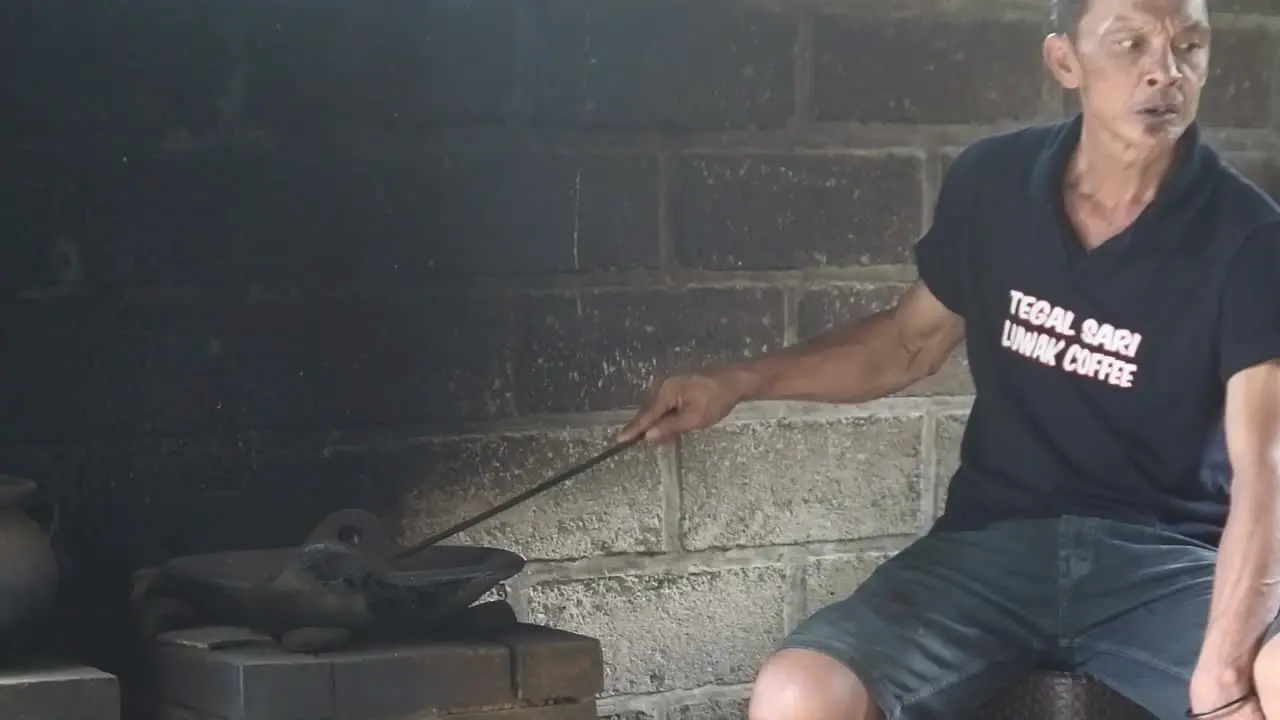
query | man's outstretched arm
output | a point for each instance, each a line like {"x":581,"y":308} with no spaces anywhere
{"x":862,"y":360}
{"x":1246,"y":584}
{"x":858,"y":361}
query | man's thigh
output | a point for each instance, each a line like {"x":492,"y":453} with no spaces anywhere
{"x":1134,"y":617}
{"x":947,"y":622}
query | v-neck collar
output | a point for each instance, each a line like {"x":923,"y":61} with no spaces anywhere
{"x":1179,"y":193}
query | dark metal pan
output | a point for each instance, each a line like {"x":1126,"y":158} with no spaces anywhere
{"x":351,"y":575}
{"x":257,"y":589}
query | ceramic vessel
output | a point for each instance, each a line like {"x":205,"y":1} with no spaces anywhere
{"x":28,"y":566}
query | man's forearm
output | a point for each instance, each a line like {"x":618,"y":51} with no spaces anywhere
{"x":1246,"y":596}
{"x":855,"y":363}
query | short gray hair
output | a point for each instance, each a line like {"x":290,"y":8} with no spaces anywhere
{"x":1065,"y":15}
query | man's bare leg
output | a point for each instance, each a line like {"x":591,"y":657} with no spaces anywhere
{"x":799,"y":684}
{"x":1266,"y":677}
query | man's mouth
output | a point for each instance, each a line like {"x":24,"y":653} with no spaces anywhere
{"x":1159,"y":111}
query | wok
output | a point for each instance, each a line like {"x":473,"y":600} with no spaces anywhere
{"x":351,"y":575}
{"x":274,"y":590}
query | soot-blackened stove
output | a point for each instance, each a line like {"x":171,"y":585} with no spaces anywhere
{"x":351,"y":626}
{"x":510,"y":671}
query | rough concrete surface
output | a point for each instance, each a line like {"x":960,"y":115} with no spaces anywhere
{"x":669,"y":632}
{"x":791,"y":482}
{"x":950,"y":431}
{"x":616,"y":507}
{"x":714,"y":709}
{"x":831,"y":579}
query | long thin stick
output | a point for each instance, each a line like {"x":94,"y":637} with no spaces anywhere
{"x":516,"y":500}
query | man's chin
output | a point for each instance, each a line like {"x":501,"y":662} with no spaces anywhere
{"x":1145,"y":137}
{"x":1159,"y":130}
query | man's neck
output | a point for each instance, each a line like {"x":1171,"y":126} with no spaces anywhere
{"x":1115,"y":174}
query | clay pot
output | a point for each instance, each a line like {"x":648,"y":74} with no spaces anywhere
{"x":28,"y":566}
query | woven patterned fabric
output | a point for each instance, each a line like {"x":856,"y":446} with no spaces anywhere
{"x":1061,"y":696}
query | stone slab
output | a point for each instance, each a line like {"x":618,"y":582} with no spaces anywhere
{"x":550,"y":663}
{"x":393,"y":682}
{"x":562,"y":711}
{"x":58,"y":692}
{"x":242,"y":683}
{"x":585,"y":710}
{"x":509,"y":669}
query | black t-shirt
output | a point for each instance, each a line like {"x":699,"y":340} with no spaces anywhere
{"x":1100,"y":375}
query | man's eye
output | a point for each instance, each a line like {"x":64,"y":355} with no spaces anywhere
{"x":1191,"y":46}
{"x":1131,"y":43}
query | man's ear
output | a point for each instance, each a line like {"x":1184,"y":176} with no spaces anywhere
{"x":1060,"y":58}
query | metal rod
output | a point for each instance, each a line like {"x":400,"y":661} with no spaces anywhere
{"x":517,"y":499}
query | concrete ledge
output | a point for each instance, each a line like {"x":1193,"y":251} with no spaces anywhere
{"x":58,"y":693}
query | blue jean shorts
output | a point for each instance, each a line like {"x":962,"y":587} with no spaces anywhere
{"x":942,"y":626}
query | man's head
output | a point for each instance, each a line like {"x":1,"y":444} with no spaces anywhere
{"x":1138,"y":65}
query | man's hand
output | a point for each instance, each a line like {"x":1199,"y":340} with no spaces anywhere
{"x":685,"y":402}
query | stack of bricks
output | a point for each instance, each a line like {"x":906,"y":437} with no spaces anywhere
{"x":523,"y":672}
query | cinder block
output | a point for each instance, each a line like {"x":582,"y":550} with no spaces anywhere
{"x":616,"y":507}
{"x":513,"y":671}
{"x":1241,"y":67}
{"x":601,"y":350}
{"x":945,"y":71}
{"x":121,"y":68}
{"x":665,"y":632}
{"x":41,"y":205}
{"x":794,"y":481}
{"x":771,"y":212}
{"x":343,"y":361}
{"x":950,"y":432}
{"x":378,"y":65}
{"x":834,"y":578}
{"x":711,"y":709}
{"x":710,"y":64}
{"x":58,"y":692}
{"x":520,"y":213}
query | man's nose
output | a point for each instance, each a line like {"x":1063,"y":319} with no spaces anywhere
{"x":1163,"y":69}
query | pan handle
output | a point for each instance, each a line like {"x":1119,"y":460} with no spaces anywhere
{"x":358,"y":529}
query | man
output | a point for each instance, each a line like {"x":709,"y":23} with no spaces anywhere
{"x":1118,"y":289}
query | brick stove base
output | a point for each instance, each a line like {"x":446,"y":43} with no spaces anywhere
{"x":58,"y":692}
{"x":524,"y":672}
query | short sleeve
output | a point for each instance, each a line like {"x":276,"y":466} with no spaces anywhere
{"x":1249,"y":323}
{"x":942,"y":254}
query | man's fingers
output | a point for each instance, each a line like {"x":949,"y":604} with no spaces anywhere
{"x":668,"y":427}
{"x":645,"y":419}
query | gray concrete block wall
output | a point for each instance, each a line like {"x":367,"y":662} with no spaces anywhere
{"x":691,"y":561}
{"x":705,"y":554}
{"x":268,"y":260}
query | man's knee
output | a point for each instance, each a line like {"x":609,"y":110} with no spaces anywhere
{"x":799,"y":684}
{"x":1266,"y":676}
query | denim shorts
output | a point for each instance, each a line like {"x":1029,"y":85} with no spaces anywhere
{"x":945,"y":624}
